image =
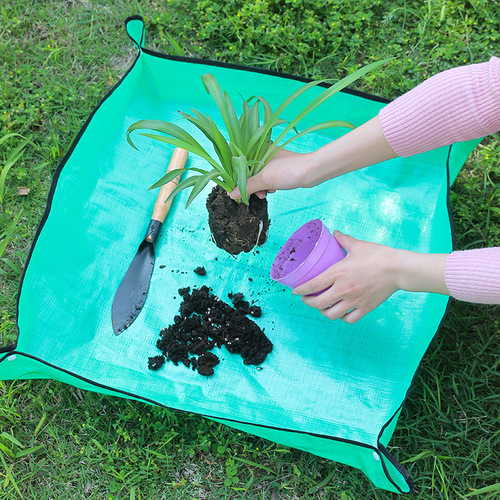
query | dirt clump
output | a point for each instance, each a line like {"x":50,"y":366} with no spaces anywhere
{"x":237,"y":227}
{"x":205,"y":322}
{"x":200,"y":271}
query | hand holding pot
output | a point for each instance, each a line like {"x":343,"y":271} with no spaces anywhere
{"x":369,"y":275}
{"x":356,"y":285}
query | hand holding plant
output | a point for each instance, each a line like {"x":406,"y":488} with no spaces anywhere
{"x":361,"y":147}
{"x":286,"y":170}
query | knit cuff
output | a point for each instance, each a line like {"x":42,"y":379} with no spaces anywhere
{"x":474,"y":275}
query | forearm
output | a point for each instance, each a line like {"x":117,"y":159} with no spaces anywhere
{"x":470,"y":275}
{"x":419,"y":272}
{"x":361,"y":147}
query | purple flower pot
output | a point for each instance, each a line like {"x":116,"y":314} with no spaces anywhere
{"x":310,"y":250}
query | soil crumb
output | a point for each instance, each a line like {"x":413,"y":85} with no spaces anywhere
{"x":200,"y":271}
{"x":240,"y":303}
{"x":205,"y":322}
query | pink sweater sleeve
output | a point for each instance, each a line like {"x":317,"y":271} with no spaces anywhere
{"x":452,"y":106}
{"x":474,"y":275}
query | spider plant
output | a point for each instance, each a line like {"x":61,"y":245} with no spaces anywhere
{"x":250,"y":145}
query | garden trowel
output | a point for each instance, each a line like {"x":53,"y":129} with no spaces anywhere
{"x":132,"y":292}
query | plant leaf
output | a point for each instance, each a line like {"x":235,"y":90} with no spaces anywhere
{"x":27,"y":451}
{"x":13,"y":157}
{"x":12,"y":439}
{"x":169,"y":176}
{"x":254,"y":121}
{"x":8,"y":136}
{"x":225,"y":106}
{"x":245,"y":122}
{"x":187,"y":146}
{"x":234,"y":129}
{"x":179,"y":137}
{"x":268,"y":124}
{"x":213,"y":134}
{"x":255,"y":144}
{"x":200,"y":185}
{"x":7,"y":235}
{"x":190,"y":181}
{"x":241,"y":169}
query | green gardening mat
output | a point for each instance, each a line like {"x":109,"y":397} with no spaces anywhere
{"x":332,"y":389}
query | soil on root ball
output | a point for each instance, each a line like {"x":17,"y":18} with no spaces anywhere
{"x":237,"y":227}
{"x":205,"y":322}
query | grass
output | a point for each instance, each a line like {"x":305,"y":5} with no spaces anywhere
{"x":58,"y":59}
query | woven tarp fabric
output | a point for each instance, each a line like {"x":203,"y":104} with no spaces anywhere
{"x":329,"y":388}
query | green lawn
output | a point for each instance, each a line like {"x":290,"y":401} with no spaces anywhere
{"x":58,"y":59}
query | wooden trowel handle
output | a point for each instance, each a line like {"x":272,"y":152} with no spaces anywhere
{"x":160,"y":210}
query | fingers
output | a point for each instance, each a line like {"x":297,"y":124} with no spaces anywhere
{"x":253,"y":186}
{"x":317,"y":284}
{"x":236,"y":195}
{"x":344,"y":240}
{"x":329,"y":293}
{"x":343,"y":310}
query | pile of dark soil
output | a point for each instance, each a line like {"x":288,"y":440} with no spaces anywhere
{"x":205,"y":322}
{"x":237,"y":227}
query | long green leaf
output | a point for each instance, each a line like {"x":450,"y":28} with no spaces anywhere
{"x":178,"y":137}
{"x":181,"y":138}
{"x":9,"y":476}
{"x":161,"y":126}
{"x":254,"y":120}
{"x":188,"y":147}
{"x":268,"y":110}
{"x":190,"y":181}
{"x":285,"y":104}
{"x":219,"y":141}
{"x":245,"y":122}
{"x":11,"y":161}
{"x":6,"y":450}
{"x":27,"y":451}
{"x":200,"y":185}
{"x":255,"y":143}
{"x":12,"y":439}
{"x":213,"y":135}
{"x":225,"y":107}
{"x":169,"y":176}
{"x":9,"y":233}
{"x":482,"y":491}
{"x":8,"y":136}
{"x":241,"y":169}
{"x":233,"y":124}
